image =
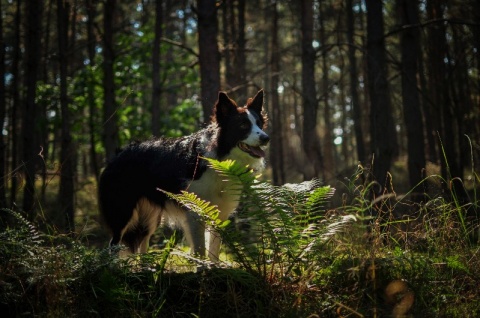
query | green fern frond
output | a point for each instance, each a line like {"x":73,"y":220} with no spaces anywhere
{"x":205,"y":209}
{"x":27,"y":231}
{"x":234,"y":172}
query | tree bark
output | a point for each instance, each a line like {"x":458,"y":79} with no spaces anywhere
{"x":67,"y":151}
{"x":410,"y":52}
{"x":382,"y":130}
{"x":328,"y":148}
{"x":33,"y":15}
{"x":240,"y":58}
{"x":353,"y":75}
{"x":110,"y":124}
{"x":276,"y":146}
{"x":92,"y":118}
{"x":311,"y":144}
{"x":3,"y":112}
{"x":209,"y":55}
{"x":16,"y":102}
{"x":156,"y":85}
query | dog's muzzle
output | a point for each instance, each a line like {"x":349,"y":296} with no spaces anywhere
{"x":255,"y":151}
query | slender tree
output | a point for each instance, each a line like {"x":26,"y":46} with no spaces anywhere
{"x":16,"y":106}
{"x":33,"y":16}
{"x":3,"y":112}
{"x":233,"y":20}
{"x":209,"y":55}
{"x":311,"y":143}
{"x":382,"y":132}
{"x":92,"y":114}
{"x":156,"y":85}
{"x":227,"y":43}
{"x":353,"y":75}
{"x":328,"y":148}
{"x":240,"y":46}
{"x":110,"y":125}
{"x":410,"y":52}
{"x":276,"y":147}
{"x":67,"y":152}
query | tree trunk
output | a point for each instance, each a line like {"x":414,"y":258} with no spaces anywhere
{"x":383,"y":137}
{"x":432,"y":152}
{"x":209,"y":56}
{"x":16,"y":102}
{"x":110,"y":125}
{"x":353,"y":74}
{"x":328,"y":148}
{"x":3,"y":112}
{"x":463,"y":103}
{"x":311,"y":144}
{"x":227,"y":44}
{"x":410,"y":51}
{"x":67,"y":151}
{"x":156,"y":85}
{"x":91,"y":40}
{"x":33,"y":14}
{"x":276,"y":146}
{"x":233,"y":18}
{"x":240,"y":58}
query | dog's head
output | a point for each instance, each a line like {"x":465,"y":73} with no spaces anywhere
{"x":241,"y":127}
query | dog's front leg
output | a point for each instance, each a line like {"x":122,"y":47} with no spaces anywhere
{"x":214,"y":242}
{"x":194,"y":232}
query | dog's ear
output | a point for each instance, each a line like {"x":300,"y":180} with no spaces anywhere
{"x":224,"y":106}
{"x":256,"y":103}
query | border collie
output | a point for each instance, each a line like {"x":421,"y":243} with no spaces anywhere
{"x":130,"y":202}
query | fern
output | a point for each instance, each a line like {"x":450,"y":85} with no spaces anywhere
{"x":209,"y":213}
{"x":286,"y":221}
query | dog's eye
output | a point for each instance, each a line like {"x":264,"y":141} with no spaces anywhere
{"x":245,"y":125}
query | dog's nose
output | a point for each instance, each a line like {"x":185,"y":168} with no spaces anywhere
{"x":264,"y":139}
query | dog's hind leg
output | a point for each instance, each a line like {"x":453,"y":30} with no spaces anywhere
{"x":145,"y":221}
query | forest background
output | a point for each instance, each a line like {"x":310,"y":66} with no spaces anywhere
{"x":381,"y":84}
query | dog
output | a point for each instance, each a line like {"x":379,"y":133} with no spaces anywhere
{"x":131,"y":203}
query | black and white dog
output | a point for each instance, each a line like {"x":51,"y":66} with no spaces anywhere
{"x":130,"y":202}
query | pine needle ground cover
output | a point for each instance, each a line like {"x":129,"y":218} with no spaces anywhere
{"x":291,"y":252}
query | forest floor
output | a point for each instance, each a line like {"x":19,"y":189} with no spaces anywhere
{"x":426,"y":264}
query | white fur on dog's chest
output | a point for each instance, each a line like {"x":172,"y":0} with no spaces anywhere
{"x":217,"y":190}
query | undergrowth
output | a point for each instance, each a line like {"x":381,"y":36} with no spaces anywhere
{"x":377,"y":254}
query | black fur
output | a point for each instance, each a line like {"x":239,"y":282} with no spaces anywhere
{"x":141,"y":168}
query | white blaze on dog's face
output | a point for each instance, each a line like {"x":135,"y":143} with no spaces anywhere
{"x":241,"y":127}
{"x":256,"y":137}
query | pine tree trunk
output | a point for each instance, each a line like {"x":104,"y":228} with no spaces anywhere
{"x":383,"y":137}
{"x":311,"y":141}
{"x":353,"y":75}
{"x":110,"y":125}
{"x":328,"y":148}
{"x":156,"y":86}
{"x":16,"y":102}
{"x":410,"y":51}
{"x":3,"y":109}
{"x":91,"y":13}
{"x":67,"y":151}
{"x":276,"y":146}
{"x":33,"y":16}
{"x":209,"y":55}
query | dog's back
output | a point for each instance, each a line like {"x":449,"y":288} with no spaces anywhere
{"x":129,"y":196}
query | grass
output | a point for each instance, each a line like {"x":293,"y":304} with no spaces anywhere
{"x":302,"y":257}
